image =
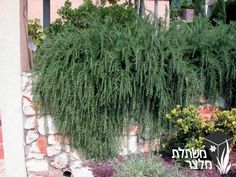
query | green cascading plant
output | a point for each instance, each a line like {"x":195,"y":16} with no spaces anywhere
{"x":96,"y":78}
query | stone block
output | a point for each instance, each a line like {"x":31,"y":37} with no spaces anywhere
{"x":30,"y":123}
{"x":53,"y":150}
{"x":31,"y":136}
{"x":60,"y":161}
{"x":34,"y":165}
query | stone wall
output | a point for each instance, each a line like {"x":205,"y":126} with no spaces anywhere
{"x":47,"y":153}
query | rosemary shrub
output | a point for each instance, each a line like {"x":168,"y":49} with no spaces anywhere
{"x":96,"y":79}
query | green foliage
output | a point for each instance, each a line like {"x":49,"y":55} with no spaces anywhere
{"x":189,"y":128}
{"x":217,"y":65}
{"x":193,"y":124}
{"x":219,"y":11}
{"x":227,"y":122}
{"x":36,"y":31}
{"x":174,"y":13}
{"x":224,"y":11}
{"x":98,"y":72}
{"x":83,"y":16}
{"x":199,"y":6}
{"x":145,"y":166}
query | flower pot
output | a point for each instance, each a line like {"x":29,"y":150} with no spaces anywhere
{"x":187,"y":14}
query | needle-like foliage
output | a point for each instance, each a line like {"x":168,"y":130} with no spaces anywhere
{"x":96,"y":79}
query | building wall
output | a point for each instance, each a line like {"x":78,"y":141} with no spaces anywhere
{"x":162,"y":8}
{"x":35,"y":7}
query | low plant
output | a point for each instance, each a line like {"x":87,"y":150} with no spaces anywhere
{"x":193,"y":124}
{"x":35,"y":30}
{"x":188,"y":130}
{"x":145,"y":166}
{"x":227,"y":122}
{"x":102,"y":169}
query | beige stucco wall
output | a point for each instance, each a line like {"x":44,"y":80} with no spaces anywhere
{"x":56,"y":4}
{"x":162,"y":8}
{"x":35,"y":7}
{"x":10,"y":88}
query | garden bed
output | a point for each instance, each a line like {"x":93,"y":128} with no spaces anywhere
{"x":168,"y":161}
{"x":134,"y":164}
{"x":102,"y":69}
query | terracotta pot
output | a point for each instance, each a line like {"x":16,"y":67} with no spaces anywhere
{"x":187,"y":14}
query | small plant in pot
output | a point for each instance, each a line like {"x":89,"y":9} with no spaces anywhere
{"x":187,"y":11}
{"x":35,"y":32}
